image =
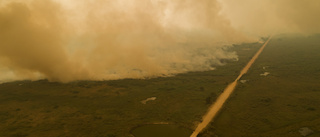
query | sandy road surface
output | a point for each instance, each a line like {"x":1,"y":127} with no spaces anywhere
{"x":213,"y":110}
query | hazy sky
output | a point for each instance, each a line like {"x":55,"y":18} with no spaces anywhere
{"x":66,"y":40}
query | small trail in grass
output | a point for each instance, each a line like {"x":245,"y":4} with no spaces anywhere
{"x":213,"y":110}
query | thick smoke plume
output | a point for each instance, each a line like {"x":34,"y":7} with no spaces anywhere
{"x":112,"y":39}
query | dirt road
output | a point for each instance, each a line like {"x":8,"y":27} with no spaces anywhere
{"x":213,"y":110}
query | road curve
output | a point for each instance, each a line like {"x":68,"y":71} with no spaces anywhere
{"x":214,"y":108}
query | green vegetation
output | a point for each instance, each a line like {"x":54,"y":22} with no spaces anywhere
{"x":161,"y":130}
{"x":279,"y":104}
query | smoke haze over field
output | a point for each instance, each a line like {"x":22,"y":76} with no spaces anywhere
{"x":111,"y":39}
{"x":273,"y":16}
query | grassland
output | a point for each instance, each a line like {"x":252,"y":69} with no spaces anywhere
{"x":278,"y":104}
{"x":112,"y":108}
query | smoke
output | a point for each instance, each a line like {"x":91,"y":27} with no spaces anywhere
{"x":113,"y":39}
{"x":264,"y":17}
